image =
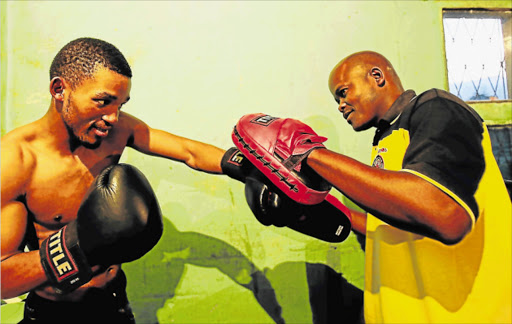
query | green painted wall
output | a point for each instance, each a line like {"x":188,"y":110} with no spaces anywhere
{"x":198,"y":67}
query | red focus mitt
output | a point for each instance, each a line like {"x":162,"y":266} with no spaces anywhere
{"x":278,"y":147}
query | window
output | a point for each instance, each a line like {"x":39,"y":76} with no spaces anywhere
{"x":478,"y":53}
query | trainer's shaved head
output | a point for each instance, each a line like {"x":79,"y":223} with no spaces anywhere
{"x":365,"y":85}
{"x":363,"y":62}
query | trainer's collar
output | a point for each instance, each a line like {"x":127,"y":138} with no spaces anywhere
{"x":391,"y":116}
{"x":398,"y":106}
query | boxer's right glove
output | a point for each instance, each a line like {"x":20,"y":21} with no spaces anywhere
{"x":119,"y":221}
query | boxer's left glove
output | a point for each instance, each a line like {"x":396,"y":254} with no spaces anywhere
{"x":118,"y":221}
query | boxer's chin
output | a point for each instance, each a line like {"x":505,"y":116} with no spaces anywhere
{"x":88,"y":141}
{"x":91,"y":146}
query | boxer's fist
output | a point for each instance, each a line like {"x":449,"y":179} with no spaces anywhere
{"x":119,"y":221}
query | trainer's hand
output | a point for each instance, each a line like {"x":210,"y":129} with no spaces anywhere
{"x":277,"y":147}
{"x":268,"y":206}
{"x":119,"y":221}
{"x":329,"y":220}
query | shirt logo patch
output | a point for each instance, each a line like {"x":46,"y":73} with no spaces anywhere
{"x":378,"y":162}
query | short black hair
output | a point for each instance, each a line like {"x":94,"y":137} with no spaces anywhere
{"x":78,"y":60}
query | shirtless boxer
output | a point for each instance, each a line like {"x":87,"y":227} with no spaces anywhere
{"x":48,"y":165}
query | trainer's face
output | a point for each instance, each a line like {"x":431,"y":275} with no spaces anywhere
{"x":354,"y":90}
{"x":91,"y":109}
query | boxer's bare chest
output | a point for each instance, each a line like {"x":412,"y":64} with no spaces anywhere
{"x":59,"y":182}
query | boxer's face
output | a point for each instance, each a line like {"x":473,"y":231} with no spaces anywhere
{"x":353,"y":89}
{"x":91,"y":109}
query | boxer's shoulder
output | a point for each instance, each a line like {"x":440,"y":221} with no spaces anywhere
{"x":128,"y":122}
{"x":20,"y":140}
{"x":22,"y":147}
{"x":130,"y":126}
{"x":17,"y":160}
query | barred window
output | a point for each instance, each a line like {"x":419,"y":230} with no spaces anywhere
{"x":478,"y":53}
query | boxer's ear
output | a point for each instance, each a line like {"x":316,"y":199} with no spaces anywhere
{"x":378,"y":75}
{"x":57,"y":86}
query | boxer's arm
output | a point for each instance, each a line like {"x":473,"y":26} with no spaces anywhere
{"x":195,"y":154}
{"x":20,"y":271}
{"x":399,"y":198}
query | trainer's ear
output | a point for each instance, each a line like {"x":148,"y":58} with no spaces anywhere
{"x":57,"y":86}
{"x":378,"y":75}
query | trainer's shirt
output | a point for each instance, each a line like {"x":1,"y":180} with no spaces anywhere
{"x":410,"y":278}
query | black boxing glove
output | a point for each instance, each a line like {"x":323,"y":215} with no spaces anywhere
{"x":328,"y":220}
{"x":268,"y":204}
{"x":118,"y":221}
{"x":235,"y":165}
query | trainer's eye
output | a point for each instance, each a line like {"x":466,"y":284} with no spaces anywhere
{"x":102,"y":102}
{"x":341,"y":93}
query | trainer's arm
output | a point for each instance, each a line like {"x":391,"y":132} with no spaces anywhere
{"x":21,"y":271}
{"x":401,"y":199}
{"x":358,"y":220}
{"x":195,"y":154}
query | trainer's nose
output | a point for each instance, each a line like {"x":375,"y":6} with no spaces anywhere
{"x":341,"y":106}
